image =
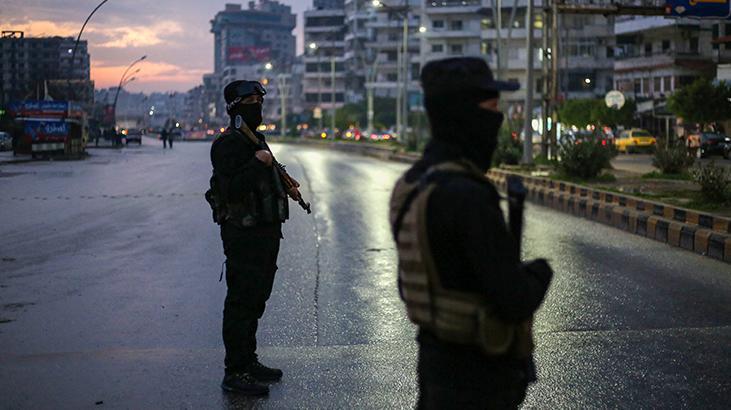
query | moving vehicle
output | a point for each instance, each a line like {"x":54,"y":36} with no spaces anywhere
{"x":712,"y":143}
{"x":635,"y":140}
{"x":132,"y":135}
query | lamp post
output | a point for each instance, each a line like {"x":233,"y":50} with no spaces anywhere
{"x":78,"y":38}
{"x":283,"y":90}
{"x":121,"y":80}
{"x":402,"y":104}
{"x":315,"y":49}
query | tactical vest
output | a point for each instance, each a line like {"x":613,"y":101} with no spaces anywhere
{"x":453,"y":316}
{"x":266,"y":204}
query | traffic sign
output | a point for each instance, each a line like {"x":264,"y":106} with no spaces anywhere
{"x":699,"y":9}
{"x":317,"y":113}
{"x":614,"y":99}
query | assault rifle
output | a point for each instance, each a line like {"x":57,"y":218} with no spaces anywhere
{"x":290,"y":184}
{"x":516,"y":200}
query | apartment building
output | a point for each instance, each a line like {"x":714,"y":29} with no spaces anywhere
{"x":325,"y":76}
{"x":655,"y":56}
{"x":31,"y":65}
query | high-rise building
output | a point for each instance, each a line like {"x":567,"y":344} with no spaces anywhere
{"x":248,"y":43}
{"x":325,"y":72}
{"x":655,"y":56}
{"x":32,"y":66}
{"x":262,"y":33}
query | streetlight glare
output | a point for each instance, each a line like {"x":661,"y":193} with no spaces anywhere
{"x":422,"y":29}
{"x":313,"y":45}
{"x":268,"y":66}
{"x":377,"y":3}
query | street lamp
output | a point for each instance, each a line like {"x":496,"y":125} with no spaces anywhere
{"x":76,"y":44}
{"x":402,"y":110}
{"x":119,"y":87}
{"x":283,"y":90}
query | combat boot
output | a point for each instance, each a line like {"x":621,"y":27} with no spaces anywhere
{"x":262,"y":373}
{"x":243,"y":383}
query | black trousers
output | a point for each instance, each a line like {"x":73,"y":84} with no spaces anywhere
{"x":251,"y":262}
{"x":459,"y":377}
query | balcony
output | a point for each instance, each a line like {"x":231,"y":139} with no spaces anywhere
{"x":669,"y":59}
{"x":452,"y":6}
{"x":449,"y":34}
{"x":323,"y":29}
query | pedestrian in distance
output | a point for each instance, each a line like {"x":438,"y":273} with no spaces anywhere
{"x":171,"y":136}
{"x":460,"y":273}
{"x":164,"y":137}
{"x":248,"y":196}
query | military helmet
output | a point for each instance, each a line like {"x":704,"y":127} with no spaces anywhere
{"x":237,"y":90}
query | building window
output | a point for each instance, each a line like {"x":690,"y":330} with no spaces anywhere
{"x":391,"y":77}
{"x":646,"y":86}
{"x":455,"y":25}
{"x":610,"y":52}
{"x":437,"y":48}
{"x":667,"y":85}
{"x":487,"y":23}
{"x":437,"y":24}
{"x":455,"y":48}
{"x":693,"y":44}
{"x":648,"y":49}
{"x":665,"y":45}
{"x":657,"y":84}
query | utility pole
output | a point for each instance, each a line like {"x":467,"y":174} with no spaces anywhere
{"x":283,"y":92}
{"x":332,"y":94}
{"x":554,"y":78}
{"x":546,"y":106}
{"x":399,"y":72}
{"x":528,"y":106}
{"x":405,"y":77}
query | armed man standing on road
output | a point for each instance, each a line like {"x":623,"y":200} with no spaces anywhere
{"x":460,"y":274}
{"x":249,"y":199}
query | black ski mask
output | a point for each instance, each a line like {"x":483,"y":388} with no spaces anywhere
{"x":457,"y":119}
{"x":250,"y":113}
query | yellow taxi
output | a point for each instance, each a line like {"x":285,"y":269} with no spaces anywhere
{"x":635,"y":140}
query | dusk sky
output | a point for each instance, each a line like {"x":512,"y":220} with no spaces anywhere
{"x":174,"y":34}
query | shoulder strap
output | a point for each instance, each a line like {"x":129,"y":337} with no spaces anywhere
{"x":435,"y":174}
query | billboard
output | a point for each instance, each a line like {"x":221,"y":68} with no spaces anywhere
{"x":44,"y":109}
{"x":248,"y":54}
{"x":46,"y":130}
{"x":700,"y":9}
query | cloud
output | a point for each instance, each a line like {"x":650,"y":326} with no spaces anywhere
{"x":151,"y":72}
{"x":109,"y":36}
{"x":139,"y":36}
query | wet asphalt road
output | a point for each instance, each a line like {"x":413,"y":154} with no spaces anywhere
{"x":109,"y":295}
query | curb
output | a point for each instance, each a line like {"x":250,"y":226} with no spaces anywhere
{"x":703,"y":233}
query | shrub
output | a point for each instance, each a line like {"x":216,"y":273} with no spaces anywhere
{"x":509,"y":151}
{"x":672,"y":159}
{"x":713,"y":179}
{"x":583,"y":159}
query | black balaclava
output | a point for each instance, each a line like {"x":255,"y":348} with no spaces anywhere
{"x":456,"y":119}
{"x":250,"y":114}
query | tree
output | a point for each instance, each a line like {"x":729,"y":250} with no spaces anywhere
{"x":350,"y":114}
{"x":576,"y":112}
{"x":612,"y":117}
{"x":702,"y":102}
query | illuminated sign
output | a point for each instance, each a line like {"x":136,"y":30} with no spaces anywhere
{"x":709,"y":9}
{"x":247,"y":54}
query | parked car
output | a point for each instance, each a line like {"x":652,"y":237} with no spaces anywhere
{"x":635,"y":140}
{"x":712,"y":143}
{"x":6,"y":141}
